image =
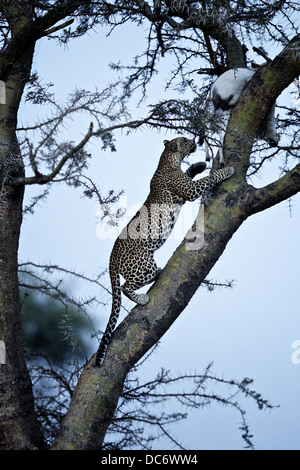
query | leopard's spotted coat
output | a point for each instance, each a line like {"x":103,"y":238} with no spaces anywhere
{"x":132,"y":254}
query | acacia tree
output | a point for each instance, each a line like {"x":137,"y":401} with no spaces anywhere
{"x":208,"y":36}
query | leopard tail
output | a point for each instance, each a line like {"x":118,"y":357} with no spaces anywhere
{"x":115,"y":310}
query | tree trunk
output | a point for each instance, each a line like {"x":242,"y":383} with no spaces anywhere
{"x":18,"y":425}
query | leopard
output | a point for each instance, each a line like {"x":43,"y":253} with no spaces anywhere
{"x":132,"y":255}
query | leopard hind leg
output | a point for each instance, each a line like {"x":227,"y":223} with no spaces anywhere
{"x":141,"y":274}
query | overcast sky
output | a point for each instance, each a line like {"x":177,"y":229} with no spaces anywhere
{"x":247,"y":331}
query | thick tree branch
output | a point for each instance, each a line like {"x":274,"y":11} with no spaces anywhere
{"x":97,"y":394}
{"x":276,"y":192}
{"x":26,"y":36}
{"x":98,"y":391}
{"x":255,"y":101}
{"x":144,"y":326}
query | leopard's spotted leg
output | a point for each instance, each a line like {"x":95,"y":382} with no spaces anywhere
{"x":199,"y":187}
{"x":139,"y":278}
{"x":129,"y":290}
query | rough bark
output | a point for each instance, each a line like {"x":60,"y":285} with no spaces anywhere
{"x":97,"y":394}
{"x":18,"y":424}
{"x":19,"y":428}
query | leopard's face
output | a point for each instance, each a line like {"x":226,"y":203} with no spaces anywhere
{"x":180,"y":146}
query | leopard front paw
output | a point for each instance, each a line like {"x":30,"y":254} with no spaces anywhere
{"x":230,"y":171}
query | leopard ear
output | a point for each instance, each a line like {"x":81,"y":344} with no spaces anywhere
{"x":171,"y":145}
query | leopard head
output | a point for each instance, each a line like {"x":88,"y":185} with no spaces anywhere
{"x":180,"y":147}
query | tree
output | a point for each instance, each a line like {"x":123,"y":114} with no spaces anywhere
{"x":208,"y":36}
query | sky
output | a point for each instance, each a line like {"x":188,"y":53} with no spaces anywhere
{"x":247,"y":331}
